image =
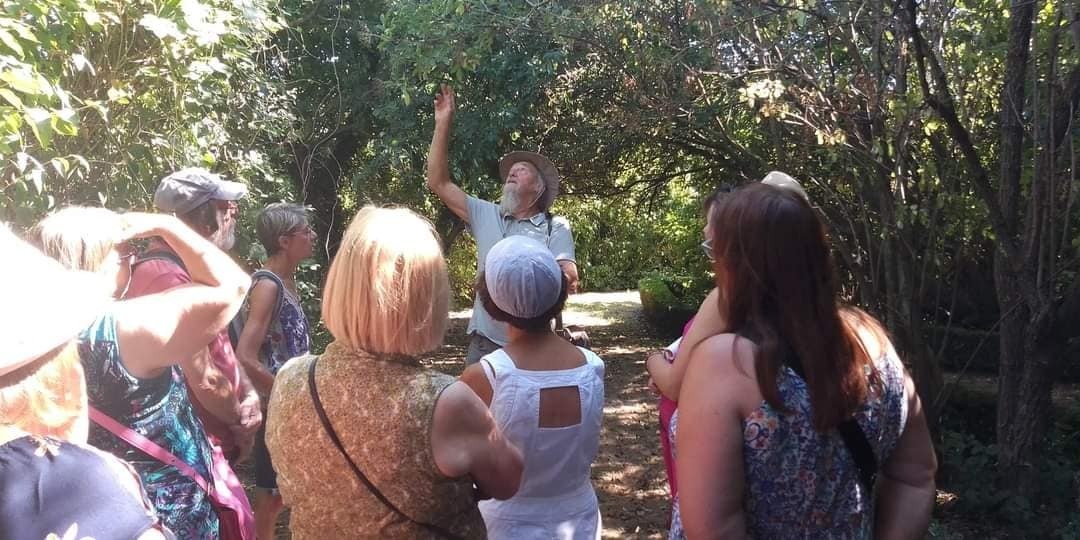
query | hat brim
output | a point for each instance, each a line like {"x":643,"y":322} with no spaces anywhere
{"x":54,"y":304}
{"x":229,"y":191}
{"x":544,"y":165}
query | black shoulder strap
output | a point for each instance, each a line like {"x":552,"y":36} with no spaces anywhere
{"x":266,"y":274}
{"x":439,"y":531}
{"x":161,"y":256}
{"x":851,"y":432}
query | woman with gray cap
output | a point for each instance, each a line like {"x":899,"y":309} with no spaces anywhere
{"x":547,"y":397}
{"x":52,"y":484}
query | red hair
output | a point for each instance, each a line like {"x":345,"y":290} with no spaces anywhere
{"x":778,"y":288}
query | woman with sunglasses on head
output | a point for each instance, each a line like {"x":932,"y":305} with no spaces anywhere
{"x":131,"y":351}
{"x":772,"y":409}
{"x":43,"y":411}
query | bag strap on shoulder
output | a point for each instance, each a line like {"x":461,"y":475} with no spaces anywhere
{"x":161,"y":255}
{"x":266,"y":274}
{"x":313,"y":388}
{"x":852,"y":434}
{"x":151,"y":448}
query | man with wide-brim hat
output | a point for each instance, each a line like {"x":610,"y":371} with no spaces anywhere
{"x":530,"y":186}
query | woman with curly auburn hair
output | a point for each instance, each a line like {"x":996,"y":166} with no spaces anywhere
{"x":798,"y":420}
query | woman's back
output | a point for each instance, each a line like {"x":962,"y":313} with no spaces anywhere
{"x":382,"y":411}
{"x":801,"y":483}
{"x":554,"y":416}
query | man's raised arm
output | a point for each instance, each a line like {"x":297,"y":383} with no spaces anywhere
{"x":438,"y":164}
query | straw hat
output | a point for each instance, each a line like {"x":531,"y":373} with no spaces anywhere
{"x":46,"y":304}
{"x":547,"y":171}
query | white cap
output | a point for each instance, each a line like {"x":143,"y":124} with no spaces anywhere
{"x":522,"y":277}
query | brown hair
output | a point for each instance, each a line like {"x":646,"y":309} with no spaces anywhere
{"x":777,"y":287}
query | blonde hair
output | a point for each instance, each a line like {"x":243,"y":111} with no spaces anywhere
{"x":79,"y":237}
{"x":388,"y":290}
{"x":47,"y":396}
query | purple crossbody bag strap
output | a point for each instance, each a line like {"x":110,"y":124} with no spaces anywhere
{"x":155,"y":451}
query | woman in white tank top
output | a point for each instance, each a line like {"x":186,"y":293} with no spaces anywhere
{"x":546,"y":395}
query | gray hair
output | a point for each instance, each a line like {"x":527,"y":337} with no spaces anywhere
{"x":202,"y":217}
{"x":277,"y":220}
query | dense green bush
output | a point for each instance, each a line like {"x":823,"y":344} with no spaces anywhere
{"x":667,"y":303}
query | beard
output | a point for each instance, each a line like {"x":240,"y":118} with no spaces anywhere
{"x":225,"y":235}
{"x":511,"y":200}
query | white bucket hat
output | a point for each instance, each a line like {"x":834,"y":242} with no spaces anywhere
{"x":522,"y":277}
{"x":48,"y":304}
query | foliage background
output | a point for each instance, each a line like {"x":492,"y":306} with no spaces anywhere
{"x":940,"y":153}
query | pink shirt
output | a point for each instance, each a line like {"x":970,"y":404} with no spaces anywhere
{"x":159,"y":275}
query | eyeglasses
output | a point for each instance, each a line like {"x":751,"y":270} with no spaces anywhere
{"x":307,"y":229}
{"x":227,"y":205}
{"x":706,"y":246}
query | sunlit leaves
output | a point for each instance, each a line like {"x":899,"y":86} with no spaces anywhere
{"x":104,"y":96}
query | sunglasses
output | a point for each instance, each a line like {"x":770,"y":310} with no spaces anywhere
{"x":226,"y":205}
{"x":706,"y":246}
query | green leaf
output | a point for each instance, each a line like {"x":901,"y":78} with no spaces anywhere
{"x":37,"y":177}
{"x":40,"y":121}
{"x":12,"y":43}
{"x":61,"y":165}
{"x":162,"y":28}
{"x":92,"y":18}
{"x":65,"y":122}
{"x":118,"y":95}
{"x":21,"y":81}
{"x":11,"y":98}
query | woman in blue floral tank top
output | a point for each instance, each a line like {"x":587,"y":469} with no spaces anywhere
{"x":756,"y":437}
{"x":275,"y":330}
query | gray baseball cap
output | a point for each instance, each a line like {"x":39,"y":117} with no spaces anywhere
{"x":186,"y":189}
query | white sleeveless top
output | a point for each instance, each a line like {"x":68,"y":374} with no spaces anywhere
{"x":555,"y":483}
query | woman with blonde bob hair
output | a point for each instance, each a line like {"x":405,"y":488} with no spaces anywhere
{"x":392,"y":448}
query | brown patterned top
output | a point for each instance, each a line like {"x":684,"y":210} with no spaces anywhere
{"x":382,"y":412}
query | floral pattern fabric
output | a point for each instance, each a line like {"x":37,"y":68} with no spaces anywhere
{"x":159,"y":409}
{"x":804,"y":484}
{"x":288,"y":334}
